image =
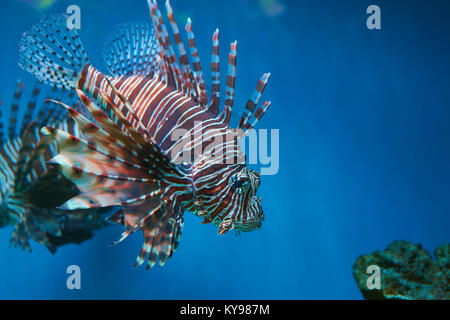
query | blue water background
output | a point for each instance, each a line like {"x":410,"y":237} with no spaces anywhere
{"x":364,"y":151}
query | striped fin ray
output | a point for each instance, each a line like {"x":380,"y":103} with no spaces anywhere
{"x":30,"y":108}
{"x":191,"y":80}
{"x":196,"y":86}
{"x":36,"y":150}
{"x":17,"y":206}
{"x":173,"y":75}
{"x":16,"y":152}
{"x":132,"y":50}
{"x":112,"y":127}
{"x":215,"y":75}
{"x":100,"y":139}
{"x":105,"y":190}
{"x":31,"y":150}
{"x":52,"y":52}
{"x":8,"y":162}
{"x":15,"y":108}
{"x":45,"y":110}
{"x":154,"y":158}
{"x":57,"y":115}
{"x":34,"y":153}
{"x":186,"y":67}
{"x":231,"y":80}
{"x":104,"y":184}
{"x":252,"y":115}
{"x":153,"y":153}
{"x":161,"y":239}
{"x":80,"y":155}
{"x":198,"y":73}
{"x":136,"y":211}
{"x":51,"y":114}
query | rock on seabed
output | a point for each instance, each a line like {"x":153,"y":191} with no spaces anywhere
{"x":408,"y":271}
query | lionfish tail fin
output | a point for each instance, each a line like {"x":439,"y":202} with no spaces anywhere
{"x":132,"y":49}
{"x":52,"y":51}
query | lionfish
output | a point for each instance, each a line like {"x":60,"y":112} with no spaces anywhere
{"x":150,"y":114}
{"x":30,"y":188}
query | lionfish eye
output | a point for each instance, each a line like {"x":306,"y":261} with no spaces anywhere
{"x":240,"y":182}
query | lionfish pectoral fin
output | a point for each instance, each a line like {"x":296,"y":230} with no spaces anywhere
{"x":162,"y":230}
{"x":52,"y":52}
{"x":107,"y":169}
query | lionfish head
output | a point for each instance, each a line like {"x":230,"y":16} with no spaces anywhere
{"x":245,"y":213}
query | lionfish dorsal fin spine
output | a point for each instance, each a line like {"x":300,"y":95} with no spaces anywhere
{"x":187,"y":70}
{"x":173,"y":75}
{"x":251,"y":115}
{"x":198,"y":73}
{"x":186,"y":77}
{"x":215,"y":75}
{"x":231,"y":80}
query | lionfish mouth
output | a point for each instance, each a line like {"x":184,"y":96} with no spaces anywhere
{"x":255,"y":212}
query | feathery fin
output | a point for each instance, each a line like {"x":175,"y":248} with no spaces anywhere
{"x":52,"y":52}
{"x":117,"y":167}
{"x":132,"y":49}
